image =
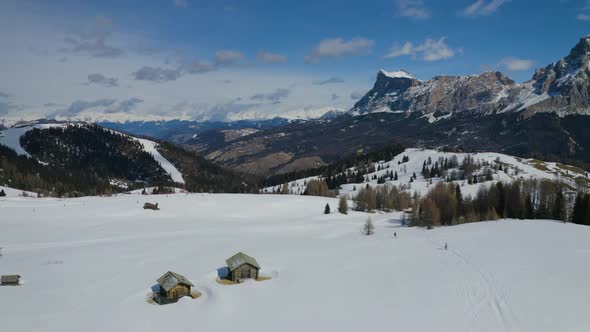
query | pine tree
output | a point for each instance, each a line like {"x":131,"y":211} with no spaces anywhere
{"x":578,"y":212}
{"x":458,"y":194}
{"x":581,"y":213}
{"x":343,"y":205}
{"x":559,"y":207}
{"x":2,"y":193}
{"x":327,"y":209}
{"x":395,"y":176}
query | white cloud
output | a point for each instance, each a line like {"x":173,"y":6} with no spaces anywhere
{"x":100,"y":79}
{"x":583,"y":17}
{"x":412,"y":8}
{"x":228,"y":58}
{"x":331,"y":80}
{"x":198,"y":82}
{"x":92,"y":39}
{"x":180,"y":3}
{"x":429,"y":50}
{"x":271,"y":58}
{"x":358,"y":94}
{"x":337,"y":47}
{"x":516,"y":64}
{"x":198,"y":67}
{"x":483,"y":7}
{"x":396,"y":50}
{"x":274,"y":96}
{"x":156,"y":74}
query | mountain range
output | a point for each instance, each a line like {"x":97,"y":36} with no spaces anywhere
{"x":546,"y":116}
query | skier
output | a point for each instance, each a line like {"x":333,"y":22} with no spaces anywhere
{"x":446,"y":247}
{"x":395,"y":235}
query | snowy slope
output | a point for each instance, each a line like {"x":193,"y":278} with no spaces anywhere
{"x":11,"y":192}
{"x":513,"y":168}
{"x":88,"y":264}
{"x":150,"y":147}
{"x":11,"y":138}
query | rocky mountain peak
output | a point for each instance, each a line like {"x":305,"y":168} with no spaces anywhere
{"x":562,"y":87}
{"x":581,"y":50}
{"x":398,"y":80}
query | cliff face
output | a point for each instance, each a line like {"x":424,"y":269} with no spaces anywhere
{"x":562,"y":88}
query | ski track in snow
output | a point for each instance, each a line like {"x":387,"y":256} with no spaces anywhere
{"x":483,"y":295}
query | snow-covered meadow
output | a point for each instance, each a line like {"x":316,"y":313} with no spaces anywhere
{"x":88,"y":264}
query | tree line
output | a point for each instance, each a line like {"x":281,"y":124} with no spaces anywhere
{"x":337,"y":173}
{"x":522,"y":199}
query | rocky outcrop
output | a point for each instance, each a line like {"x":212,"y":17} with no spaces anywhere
{"x":562,"y":88}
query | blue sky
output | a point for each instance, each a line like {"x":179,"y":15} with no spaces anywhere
{"x":193,"y":59}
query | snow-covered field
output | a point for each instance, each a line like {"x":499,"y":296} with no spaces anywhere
{"x":513,"y":168}
{"x":88,"y":264}
{"x":11,"y":192}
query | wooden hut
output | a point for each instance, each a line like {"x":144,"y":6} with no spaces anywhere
{"x":150,"y":206}
{"x":171,"y":287}
{"x":10,"y":280}
{"x":242,"y":266}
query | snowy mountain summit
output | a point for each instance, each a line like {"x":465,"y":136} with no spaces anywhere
{"x":397,"y":74}
{"x":562,"y":87}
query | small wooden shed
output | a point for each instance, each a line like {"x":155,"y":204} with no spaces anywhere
{"x":150,"y":206}
{"x":171,"y":287}
{"x":10,"y":280}
{"x":242,"y":266}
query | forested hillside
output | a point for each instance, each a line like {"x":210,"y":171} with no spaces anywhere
{"x":99,"y":152}
{"x":201,"y":175}
{"x":85,"y":159}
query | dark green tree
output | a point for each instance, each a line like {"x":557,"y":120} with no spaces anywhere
{"x":559,"y":206}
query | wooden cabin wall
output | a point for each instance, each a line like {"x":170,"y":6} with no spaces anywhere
{"x":237,"y":273}
{"x":179,"y":291}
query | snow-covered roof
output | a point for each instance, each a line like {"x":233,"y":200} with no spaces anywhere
{"x":397,"y":74}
